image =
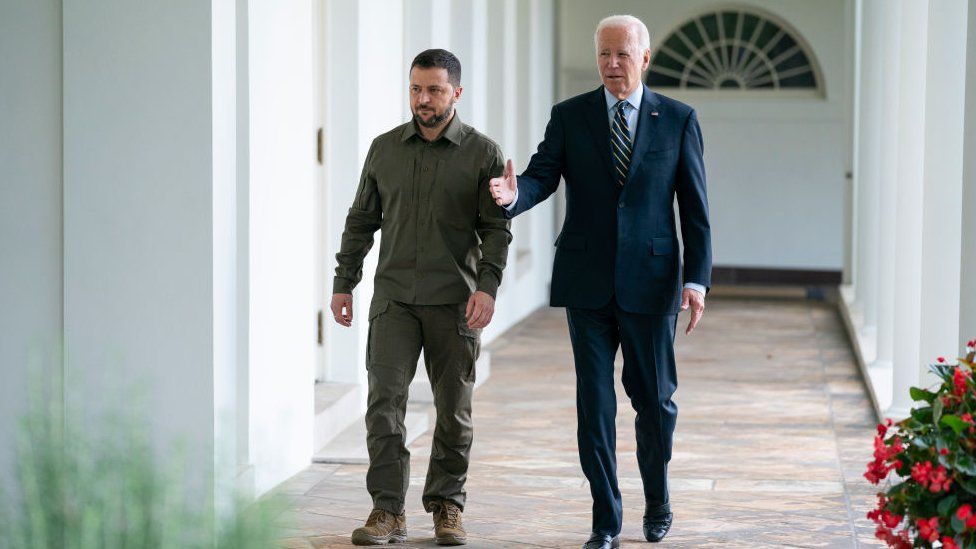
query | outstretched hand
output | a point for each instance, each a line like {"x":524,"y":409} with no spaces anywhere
{"x":502,"y":188}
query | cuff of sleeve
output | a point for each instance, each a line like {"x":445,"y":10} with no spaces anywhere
{"x":511,"y":206}
{"x":488,"y":283}
{"x":697,"y":287}
{"x":342,"y":285}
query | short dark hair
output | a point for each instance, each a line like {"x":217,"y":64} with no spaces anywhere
{"x":440,"y":59}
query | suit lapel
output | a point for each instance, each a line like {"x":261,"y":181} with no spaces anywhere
{"x":596,"y":118}
{"x":647,"y":121}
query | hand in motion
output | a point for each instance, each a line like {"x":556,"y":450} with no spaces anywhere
{"x":503,"y":188}
{"x":696,"y":300}
{"x":342,"y":309}
{"x":481,"y":307}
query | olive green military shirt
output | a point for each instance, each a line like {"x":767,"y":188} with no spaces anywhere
{"x":443,"y":237}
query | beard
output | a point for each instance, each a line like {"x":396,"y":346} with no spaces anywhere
{"x":438,"y":117}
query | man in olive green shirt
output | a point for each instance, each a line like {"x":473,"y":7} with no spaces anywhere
{"x":443,"y":248}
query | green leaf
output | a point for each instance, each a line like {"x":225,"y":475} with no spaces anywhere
{"x":958,"y":525}
{"x":920,"y":442}
{"x":944,"y":371}
{"x":947,"y":504}
{"x":921,"y":394}
{"x":968,"y":483}
{"x":923,"y":414}
{"x":937,"y":408}
{"x":911,"y":424}
{"x":965,"y":464}
{"x":954,"y":422}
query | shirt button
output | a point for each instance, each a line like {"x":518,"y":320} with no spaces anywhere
{"x":621,"y":205}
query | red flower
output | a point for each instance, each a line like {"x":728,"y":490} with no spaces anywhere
{"x":944,"y":451}
{"x":920,"y":472}
{"x":964,"y":511}
{"x":949,"y":543}
{"x":965,"y":514}
{"x":898,"y":541}
{"x":890,"y":519}
{"x":928,"y":529}
{"x":940,"y":480}
{"x":940,"y":360}
{"x":967,"y":417}
{"x":959,"y":381}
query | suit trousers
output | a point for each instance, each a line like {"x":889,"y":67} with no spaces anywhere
{"x":650,"y":380}
{"x":397,"y":334}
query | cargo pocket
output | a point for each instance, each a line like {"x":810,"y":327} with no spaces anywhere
{"x":471,"y":348}
{"x":376,"y":308}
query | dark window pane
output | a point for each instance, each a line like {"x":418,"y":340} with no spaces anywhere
{"x":691,"y":31}
{"x":664,"y":60}
{"x":804,"y":80}
{"x":661,"y":81}
{"x":767,"y":33}
{"x":710,"y":22}
{"x":792,"y":62}
{"x":678,"y":45}
{"x":749,"y":26}
{"x":730,"y":20}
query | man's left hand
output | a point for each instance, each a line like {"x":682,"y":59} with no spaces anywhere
{"x":481,"y":307}
{"x":695,"y":300}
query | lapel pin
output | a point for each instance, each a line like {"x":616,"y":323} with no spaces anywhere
{"x":653,"y":113}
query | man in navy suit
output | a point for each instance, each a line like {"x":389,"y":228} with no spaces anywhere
{"x":625,"y":153}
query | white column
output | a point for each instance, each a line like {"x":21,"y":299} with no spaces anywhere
{"x":469,"y":42}
{"x":867,"y":175}
{"x":967,"y":287}
{"x":907,"y":213}
{"x":366,"y":95}
{"x":887,"y":188}
{"x":342,"y":155}
{"x":142,"y":253}
{"x":31,"y":278}
{"x":942,"y":204}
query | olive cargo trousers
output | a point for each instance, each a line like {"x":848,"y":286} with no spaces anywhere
{"x":397,"y":334}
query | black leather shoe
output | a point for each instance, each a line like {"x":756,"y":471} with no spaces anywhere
{"x":602,"y":541}
{"x":655,"y":528}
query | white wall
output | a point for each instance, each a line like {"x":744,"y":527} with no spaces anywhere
{"x":282,"y":309}
{"x":138,"y":215}
{"x":967,"y":290}
{"x":776,"y":167}
{"x":30,"y":204}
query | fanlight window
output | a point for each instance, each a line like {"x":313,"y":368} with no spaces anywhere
{"x":733,"y":50}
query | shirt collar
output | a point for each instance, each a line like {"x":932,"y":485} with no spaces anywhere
{"x":634,"y":98}
{"x":452,"y":132}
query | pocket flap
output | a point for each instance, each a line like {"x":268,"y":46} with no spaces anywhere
{"x":662,"y":245}
{"x":378,"y":307}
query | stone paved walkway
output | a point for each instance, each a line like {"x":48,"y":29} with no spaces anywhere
{"x":774,"y":430}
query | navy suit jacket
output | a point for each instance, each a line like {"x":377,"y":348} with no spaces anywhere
{"x":623,"y":242}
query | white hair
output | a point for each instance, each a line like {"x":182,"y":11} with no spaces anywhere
{"x":626,"y":21}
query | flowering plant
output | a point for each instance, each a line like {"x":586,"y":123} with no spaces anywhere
{"x":931,"y":498}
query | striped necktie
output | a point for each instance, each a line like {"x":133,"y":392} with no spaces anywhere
{"x":620,"y":144}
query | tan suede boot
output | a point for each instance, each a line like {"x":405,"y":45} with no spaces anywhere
{"x":381,"y":527}
{"x":447,"y":524}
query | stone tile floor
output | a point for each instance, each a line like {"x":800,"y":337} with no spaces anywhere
{"x":774,"y":430}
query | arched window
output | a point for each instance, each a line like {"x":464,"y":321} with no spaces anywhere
{"x":734,"y":49}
